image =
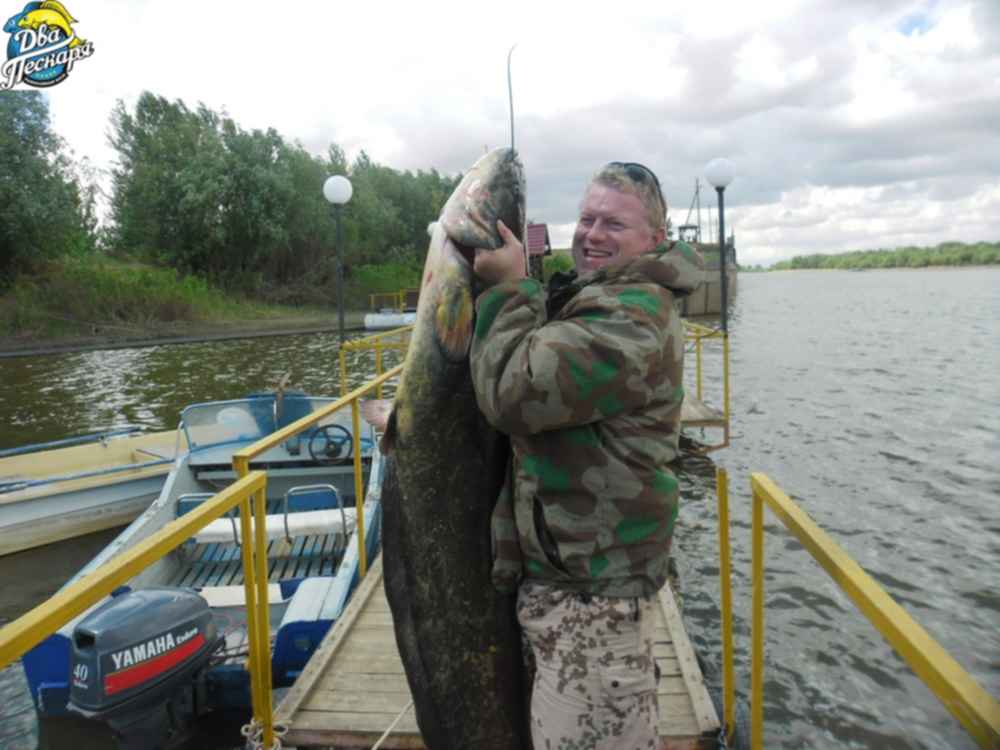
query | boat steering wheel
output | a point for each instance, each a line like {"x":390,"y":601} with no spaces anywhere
{"x":326,"y":446}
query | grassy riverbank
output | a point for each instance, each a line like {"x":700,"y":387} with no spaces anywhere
{"x":96,"y":299}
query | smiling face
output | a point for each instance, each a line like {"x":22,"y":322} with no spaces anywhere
{"x":613,"y":225}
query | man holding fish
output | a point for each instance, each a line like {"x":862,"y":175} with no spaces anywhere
{"x":587,"y":380}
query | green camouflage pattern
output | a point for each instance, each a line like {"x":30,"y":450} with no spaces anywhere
{"x":595,"y":676}
{"x":588,"y":383}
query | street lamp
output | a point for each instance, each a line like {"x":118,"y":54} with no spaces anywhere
{"x":720,"y":173}
{"x":338,"y":190}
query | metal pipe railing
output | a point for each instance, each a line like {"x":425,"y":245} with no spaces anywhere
{"x":30,"y":629}
{"x":20,"y":484}
{"x":260,"y":683}
{"x":94,"y":437}
{"x":725,"y":589}
{"x":698,"y":334}
{"x":376,"y":342}
{"x":33,"y":627}
{"x":398,"y":299}
{"x":975,"y":709}
{"x":243,"y":457}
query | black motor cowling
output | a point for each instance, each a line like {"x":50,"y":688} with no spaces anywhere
{"x":136,"y":659}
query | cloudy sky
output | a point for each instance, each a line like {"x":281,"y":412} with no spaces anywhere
{"x":852,"y":123}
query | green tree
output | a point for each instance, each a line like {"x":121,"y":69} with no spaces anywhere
{"x":40,"y":206}
{"x":168,"y":182}
{"x":194,"y":190}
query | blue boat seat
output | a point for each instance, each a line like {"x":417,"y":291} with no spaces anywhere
{"x":309,"y":547}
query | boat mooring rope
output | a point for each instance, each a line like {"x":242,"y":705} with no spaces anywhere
{"x":392,"y":726}
{"x":254,"y":732}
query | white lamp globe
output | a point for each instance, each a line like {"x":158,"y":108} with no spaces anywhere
{"x":337,"y":189}
{"x":720,"y":172}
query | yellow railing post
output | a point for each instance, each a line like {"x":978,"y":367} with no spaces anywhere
{"x":255,"y":648}
{"x":697,"y":350}
{"x":358,"y":498}
{"x":725,"y":381}
{"x":757,"y":629}
{"x":263,"y":712}
{"x":250,"y":592}
{"x":378,"y":363}
{"x":725,"y":588}
{"x":343,"y":370}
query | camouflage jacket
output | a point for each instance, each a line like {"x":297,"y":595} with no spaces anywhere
{"x":590,"y":393}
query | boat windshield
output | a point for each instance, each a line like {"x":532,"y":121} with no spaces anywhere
{"x":244,"y":420}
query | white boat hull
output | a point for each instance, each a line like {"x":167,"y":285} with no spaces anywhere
{"x":68,"y":492}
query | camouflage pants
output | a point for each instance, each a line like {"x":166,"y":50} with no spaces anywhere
{"x":595,"y":686}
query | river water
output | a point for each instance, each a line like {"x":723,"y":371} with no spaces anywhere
{"x":872,"y":398}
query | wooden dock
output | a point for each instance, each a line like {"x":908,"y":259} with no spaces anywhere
{"x":18,"y":725}
{"x":354,"y":686}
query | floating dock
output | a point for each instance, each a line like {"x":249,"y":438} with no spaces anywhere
{"x":354,"y":686}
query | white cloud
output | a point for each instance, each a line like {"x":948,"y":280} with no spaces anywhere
{"x":853,"y":124}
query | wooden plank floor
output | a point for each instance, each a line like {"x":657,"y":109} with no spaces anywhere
{"x":354,"y":686}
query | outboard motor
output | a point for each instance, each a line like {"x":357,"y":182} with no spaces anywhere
{"x":138,"y":663}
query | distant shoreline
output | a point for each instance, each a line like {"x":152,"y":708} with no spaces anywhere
{"x":890,"y":268}
{"x":192,"y":333}
{"x":943,"y":255}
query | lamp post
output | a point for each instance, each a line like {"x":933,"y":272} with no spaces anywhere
{"x":338,"y":191}
{"x":720,"y":173}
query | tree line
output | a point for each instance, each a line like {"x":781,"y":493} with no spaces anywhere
{"x":46,"y":209}
{"x":944,"y":254}
{"x":194,"y":191}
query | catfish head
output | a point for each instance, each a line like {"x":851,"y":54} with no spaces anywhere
{"x":492,"y":189}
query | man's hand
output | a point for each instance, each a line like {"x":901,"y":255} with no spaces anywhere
{"x":506,"y":263}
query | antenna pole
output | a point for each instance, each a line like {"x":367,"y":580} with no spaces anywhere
{"x":697,"y":196}
{"x":510,"y":95}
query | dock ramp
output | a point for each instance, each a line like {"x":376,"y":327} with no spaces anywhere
{"x":354,"y":687}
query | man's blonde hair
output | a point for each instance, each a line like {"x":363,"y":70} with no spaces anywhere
{"x":634,"y":178}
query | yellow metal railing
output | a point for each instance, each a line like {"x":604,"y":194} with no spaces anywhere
{"x":698,"y":335}
{"x":35,"y":626}
{"x":379,"y":343}
{"x":395,"y":300}
{"x":260,"y":678}
{"x":977,"y":710}
{"x":694,"y":333}
{"x":726,"y":605}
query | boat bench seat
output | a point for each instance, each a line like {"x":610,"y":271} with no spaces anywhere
{"x":302,"y":523}
{"x":235,"y":596}
{"x":311,"y":545}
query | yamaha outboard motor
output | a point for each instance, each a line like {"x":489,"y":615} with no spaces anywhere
{"x":138,"y":664}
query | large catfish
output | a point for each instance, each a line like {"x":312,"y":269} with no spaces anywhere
{"x":458,"y":637}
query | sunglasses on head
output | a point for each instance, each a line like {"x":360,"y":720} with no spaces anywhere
{"x":639,"y":173}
